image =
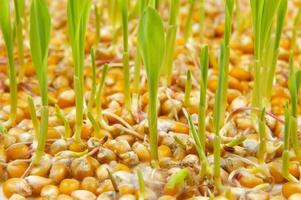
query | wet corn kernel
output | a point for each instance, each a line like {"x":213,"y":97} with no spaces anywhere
{"x":16,"y":186}
{"x":179,"y":127}
{"x":77,"y":147}
{"x":16,"y":169}
{"x":212,"y":84}
{"x":64,"y":197}
{"x":19,"y":151}
{"x":86,"y":131}
{"x":90,"y":184}
{"x":249,"y":180}
{"x":66,"y":98}
{"x":164,"y":151}
{"x":53,"y":133}
{"x":290,"y":188}
{"x":295,"y":196}
{"x":58,"y":172}
{"x":68,"y":185}
{"x":126,"y":189}
{"x":141,"y":151}
{"x":50,"y":192}
{"x":240,"y":73}
{"x":105,"y":186}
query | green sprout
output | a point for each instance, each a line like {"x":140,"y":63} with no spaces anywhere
{"x":295,"y":29}
{"x":19,"y":12}
{"x":8,"y":36}
{"x":285,"y":153}
{"x":95,"y":125}
{"x":188,"y":23}
{"x":177,"y":180}
{"x":138,"y":61}
{"x":262,"y":138}
{"x":40,"y":25}
{"x":141,"y":192}
{"x":3,"y":130}
{"x":93,"y":89}
{"x":34,"y":119}
{"x":151,"y":40}
{"x":266,"y":47}
{"x":59,"y":114}
{"x":97,"y":22}
{"x":188,"y":87}
{"x":99,"y":92}
{"x":204,"y":61}
{"x":171,"y":39}
{"x":77,"y":17}
{"x":294,"y":84}
{"x":205,"y":170}
{"x":126,"y":70}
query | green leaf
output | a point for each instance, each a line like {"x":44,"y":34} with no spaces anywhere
{"x":151,"y":43}
{"x":141,"y":183}
{"x":177,"y":179}
{"x":19,"y":9}
{"x":40,"y":25}
{"x":298,"y":80}
{"x":5,"y":23}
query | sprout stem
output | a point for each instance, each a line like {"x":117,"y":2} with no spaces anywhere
{"x":202,"y":19}
{"x":188,"y":24}
{"x":204,"y":60}
{"x":188,"y":87}
{"x":34,"y":119}
{"x":99,"y":92}
{"x":93,"y":89}
{"x":58,"y":113}
{"x":262,"y":135}
{"x":97,"y":23}
{"x":141,"y":192}
{"x":95,"y":125}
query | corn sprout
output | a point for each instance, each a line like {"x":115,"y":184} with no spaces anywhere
{"x":93,"y":89}
{"x":294,"y":87}
{"x":40,"y":25}
{"x":295,"y":29}
{"x":151,"y":40}
{"x":262,"y":138}
{"x":126,"y":70}
{"x":97,"y":22}
{"x":99,"y":91}
{"x":286,"y":147}
{"x":171,"y":39}
{"x":266,"y":47}
{"x":202,"y":19}
{"x":177,"y":180}
{"x":19,"y":12}
{"x":204,"y":61}
{"x":188,"y":86}
{"x":59,"y":115}
{"x":205,"y":170}
{"x":188,"y":23}
{"x":34,"y":119}
{"x":77,"y":14}
{"x":141,"y":192}
{"x":7,"y":33}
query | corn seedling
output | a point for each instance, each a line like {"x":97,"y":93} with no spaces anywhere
{"x":266,"y":46}
{"x":3,"y":130}
{"x":171,"y":39}
{"x":286,"y":147}
{"x":59,"y":114}
{"x":99,"y":92}
{"x":199,"y":147}
{"x":262,"y":138}
{"x":19,"y":26}
{"x":295,"y":29}
{"x":177,"y":181}
{"x":77,"y":18}
{"x":294,"y":87}
{"x":188,"y":86}
{"x":204,"y":62}
{"x":8,"y":36}
{"x":188,"y":24}
{"x":93,"y":89}
{"x":126,"y":70}
{"x":95,"y":125}
{"x":40,"y":25}
{"x":141,"y":192}
{"x":34,"y":119}
{"x":151,"y":40}
{"x":202,"y":19}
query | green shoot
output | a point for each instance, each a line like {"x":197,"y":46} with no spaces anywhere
{"x":285,"y":153}
{"x":188,"y":87}
{"x":262,"y":137}
{"x":236,"y":141}
{"x":218,"y":118}
{"x":95,"y":125}
{"x":199,"y":147}
{"x":271,"y":66}
{"x":202,"y":19}
{"x":126,"y":70}
{"x":225,"y":59}
{"x":3,"y":130}
{"x":77,"y":17}
{"x":295,"y":28}
{"x":97,"y":23}
{"x":40,"y":25}
{"x":266,"y":47}
{"x":138,"y":61}
{"x":151,"y":40}
{"x":188,"y":23}
{"x":19,"y":12}
{"x":294,"y":86}
{"x":99,"y":91}
{"x":93,"y":89}
{"x":7,"y":33}
{"x":177,"y":180}
{"x":171,"y":39}
{"x":141,"y":192}
{"x":34,"y":119}
{"x":59,"y":114}
{"x":204,"y":61}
